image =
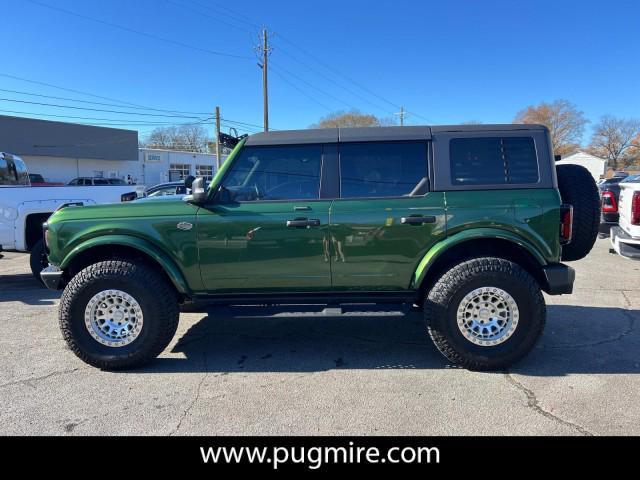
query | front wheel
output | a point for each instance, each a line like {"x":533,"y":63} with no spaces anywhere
{"x":485,"y":313}
{"x":118,"y":314}
{"x":38,"y":259}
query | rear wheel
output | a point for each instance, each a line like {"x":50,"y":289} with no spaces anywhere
{"x":118,"y":314}
{"x":578,"y":188}
{"x":485,"y":313}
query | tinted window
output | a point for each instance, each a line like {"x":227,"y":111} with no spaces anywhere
{"x":493,"y":160}
{"x":161,"y":192}
{"x":13,"y":172}
{"x":22,"y":175}
{"x":275,"y":173}
{"x":7,"y":177}
{"x":382,"y":169}
{"x":100,"y":181}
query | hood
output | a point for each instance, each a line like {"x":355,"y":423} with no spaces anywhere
{"x":169,"y":205}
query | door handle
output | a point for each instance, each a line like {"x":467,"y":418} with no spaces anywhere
{"x":417,"y":220}
{"x":303,"y":222}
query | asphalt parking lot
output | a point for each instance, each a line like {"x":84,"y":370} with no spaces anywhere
{"x":239,"y":371}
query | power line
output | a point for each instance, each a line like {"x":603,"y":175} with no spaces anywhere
{"x":243,"y":123}
{"x":239,"y":17}
{"x":302,"y":91}
{"x":326,"y":77}
{"x":338,"y":72}
{"x":69,"y":90}
{"x":96,"y":103}
{"x":199,"y":12}
{"x":312,"y":86}
{"x":130,"y":122}
{"x":356,"y":83}
{"x":139,"y":123}
{"x":138,"y":32}
{"x":95,"y":109}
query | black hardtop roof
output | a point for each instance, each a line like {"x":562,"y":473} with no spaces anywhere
{"x":374,"y":134}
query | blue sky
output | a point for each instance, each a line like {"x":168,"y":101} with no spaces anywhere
{"x":445,"y":61}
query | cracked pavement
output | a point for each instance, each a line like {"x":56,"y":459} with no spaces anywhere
{"x":246,"y":371}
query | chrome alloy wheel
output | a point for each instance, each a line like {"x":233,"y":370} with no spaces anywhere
{"x":487,"y":316}
{"x":113,"y":318}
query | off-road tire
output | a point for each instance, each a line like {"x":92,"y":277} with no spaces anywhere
{"x":578,"y":188}
{"x":442,"y":302}
{"x":156,"y":297}
{"x":38,"y":259}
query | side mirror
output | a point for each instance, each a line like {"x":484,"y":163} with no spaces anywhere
{"x":188,"y":181}
{"x":198,"y":192}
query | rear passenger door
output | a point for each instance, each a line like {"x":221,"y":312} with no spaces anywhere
{"x":386,"y":218}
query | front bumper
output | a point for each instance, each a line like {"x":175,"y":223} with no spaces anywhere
{"x":52,"y":277}
{"x":624,"y":244}
{"x":559,"y":279}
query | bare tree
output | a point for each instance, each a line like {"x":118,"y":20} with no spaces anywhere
{"x":616,"y":140}
{"x":352,"y":118}
{"x":563,"y":119}
{"x":190,"y":138}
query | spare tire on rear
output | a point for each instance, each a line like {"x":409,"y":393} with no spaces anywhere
{"x":578,"y":188}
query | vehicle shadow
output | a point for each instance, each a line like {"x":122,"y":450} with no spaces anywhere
{"x":23,"y":287}
{"x":248,"y":339}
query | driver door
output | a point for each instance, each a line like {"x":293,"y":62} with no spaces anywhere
{"x":268,"y":232}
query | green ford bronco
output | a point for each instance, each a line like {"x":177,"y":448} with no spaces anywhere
{"x":469,"y":223}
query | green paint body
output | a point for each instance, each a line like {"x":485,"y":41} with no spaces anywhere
{"x":360,"y":244}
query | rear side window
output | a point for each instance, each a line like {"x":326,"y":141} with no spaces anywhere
{"x":383,"y":169}
{"x":493,"y":160}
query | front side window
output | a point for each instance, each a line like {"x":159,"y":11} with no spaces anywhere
{"x":275,"y":173}
{"x":493,"y":160}
{"x":383,"y":169}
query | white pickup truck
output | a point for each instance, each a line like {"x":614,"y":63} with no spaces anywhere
{"x":625,"y":238}
{"x":23,"y":208}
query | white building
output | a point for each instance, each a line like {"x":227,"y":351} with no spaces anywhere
{"x":61,"y":151}
{"x":159,"y":166}
{"x":597,"y":166}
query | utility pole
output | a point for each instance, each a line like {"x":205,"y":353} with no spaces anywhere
{"x":402,"y":113}
{"x":265,"y":50}
{"x":218,"y":163}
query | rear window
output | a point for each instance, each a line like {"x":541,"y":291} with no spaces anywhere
{"x":383,"y":169}
{"x":493,"y":160}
